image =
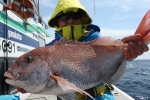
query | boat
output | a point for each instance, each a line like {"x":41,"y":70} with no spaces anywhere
{"x":18,"y":35}
{"x":21,"y":33}
{"x":118,"y":95}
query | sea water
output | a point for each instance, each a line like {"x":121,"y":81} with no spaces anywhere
{"x":136,"y":81}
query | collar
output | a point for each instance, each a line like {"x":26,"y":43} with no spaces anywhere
{"x":87,"y":34}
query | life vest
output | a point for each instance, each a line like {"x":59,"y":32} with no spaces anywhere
{"x":17,"y":6}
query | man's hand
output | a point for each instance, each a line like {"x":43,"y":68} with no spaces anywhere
{"x":135,"y":46}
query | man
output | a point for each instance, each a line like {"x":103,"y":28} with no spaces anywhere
{"x":72,"y":21}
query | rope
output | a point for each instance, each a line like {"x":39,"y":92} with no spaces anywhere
{"x":24,"y":10}
{"x":94,"y":6}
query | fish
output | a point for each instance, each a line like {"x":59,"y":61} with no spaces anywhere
{"x":69,"y":66}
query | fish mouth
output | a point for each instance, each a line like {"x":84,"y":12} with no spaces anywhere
{"x":10,"y":79}
{"x":12,"y":82}
{"x":11,"y":75}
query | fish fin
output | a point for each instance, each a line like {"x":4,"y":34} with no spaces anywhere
{"x":65,"y":85}
{"x":104,"y":41}
{"x":144,"y":28}
{"x":64,"y":40}
{"x":146,"y":39}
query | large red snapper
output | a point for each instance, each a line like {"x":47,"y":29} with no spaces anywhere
{"x":83,"y":64}
{"x":68,"y":65}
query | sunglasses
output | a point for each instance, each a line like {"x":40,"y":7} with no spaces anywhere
{"x":65,"y":17}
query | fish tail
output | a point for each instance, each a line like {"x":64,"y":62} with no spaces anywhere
{"x":65,"y":85}
{"x":144,"y":28}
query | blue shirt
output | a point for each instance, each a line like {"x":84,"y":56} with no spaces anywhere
{"x":94,"y":34}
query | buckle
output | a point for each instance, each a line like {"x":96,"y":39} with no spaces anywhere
{"x":110,"y":86}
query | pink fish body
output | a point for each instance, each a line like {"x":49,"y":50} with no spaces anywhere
{"x":68,"y":65}
{"x":83,"y":64}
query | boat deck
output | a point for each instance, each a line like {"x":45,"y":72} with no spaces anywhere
{"x":118,"y":94}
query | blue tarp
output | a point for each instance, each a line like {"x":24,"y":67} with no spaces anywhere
{"x":9,"y":97}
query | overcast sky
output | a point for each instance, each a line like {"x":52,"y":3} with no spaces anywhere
{"x":117,"y":18}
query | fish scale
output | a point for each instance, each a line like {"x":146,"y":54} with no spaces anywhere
{"x":69,"y":66}
{"x":82,"y":65}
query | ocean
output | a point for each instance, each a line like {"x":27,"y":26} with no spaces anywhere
{"x":136,"y":80}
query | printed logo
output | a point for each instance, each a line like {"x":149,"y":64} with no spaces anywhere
{"x":14,"y":35}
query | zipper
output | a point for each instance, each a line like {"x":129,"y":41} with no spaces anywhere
{"x":72,"y":31}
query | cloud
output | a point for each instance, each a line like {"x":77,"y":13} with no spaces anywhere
{"x":119,"y":17}
{"x":97,"y":3}
{"x":48,"y":3}
{"x":125,"y":8}
{"x":123,"y":5}
{"x":116,"y":33}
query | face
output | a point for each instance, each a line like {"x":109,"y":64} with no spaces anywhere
{"x":70,"y":18}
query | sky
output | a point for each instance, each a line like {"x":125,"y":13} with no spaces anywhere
{"x":116,"y":18}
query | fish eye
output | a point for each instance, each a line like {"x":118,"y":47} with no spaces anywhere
{"x":28,"y":59}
